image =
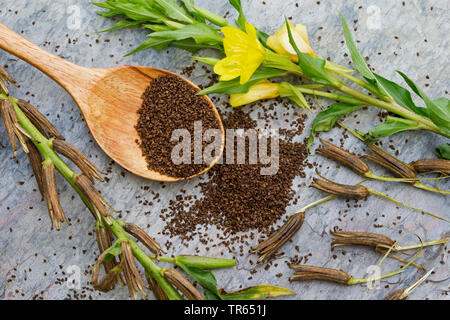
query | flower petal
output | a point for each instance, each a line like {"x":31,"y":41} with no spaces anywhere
{"x":228,"y":69}
{"x":261,"y":90}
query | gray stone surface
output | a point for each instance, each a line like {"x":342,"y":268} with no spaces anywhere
{"x":34,"y":260}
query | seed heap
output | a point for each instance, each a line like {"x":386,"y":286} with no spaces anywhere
{"x":237,"y":198}
{"x":169,"y":103}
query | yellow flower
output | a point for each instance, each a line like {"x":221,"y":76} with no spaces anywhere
{"x":279,"y":42}
{"x":264,"y":89}
{"x":244,"y":54}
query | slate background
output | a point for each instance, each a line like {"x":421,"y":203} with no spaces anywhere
{"x":33,"y":260}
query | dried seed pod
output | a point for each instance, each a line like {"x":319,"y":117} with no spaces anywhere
{"x":35,"y":158}
{"x":51,"y":194}
{"x":346,"y":158}
{"x":156,"y":288}
{"x":132,"y":277}
{"x":5,"y":110}
{"x":81,"y":161}
{"x":431,"y":165}
{"x":5,"y":79}
{"x":270,"y":246}
{"x":87,"y":187}
{"x":108,"y":282}
{"x":389,"y":162}
{"x":105,"y":240}
{"x":318,"y":273}
{"x":144,"y":238}
{"x":182,"y":284}
{"x":341,"y":190}
{"x":38,"y":119}
{"x":396,"y":295}
{"x":343,"y":238}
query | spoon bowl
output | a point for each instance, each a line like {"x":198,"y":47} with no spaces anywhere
{"x":108,"y":98}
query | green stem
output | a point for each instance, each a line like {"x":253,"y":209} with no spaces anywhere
{"x":422,"y":122}
{"x":333,"y":96}
{"x":371,"y":175}
{"x":359,"y":82}
{"x":425,"y":244}
{"x":404,"y":205}
{"x":317,"y":203}
{"x":428,"y":188}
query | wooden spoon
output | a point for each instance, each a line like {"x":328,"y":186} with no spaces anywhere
{"x":108,"y":99}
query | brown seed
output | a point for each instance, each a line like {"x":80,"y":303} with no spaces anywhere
{"x":182,"y":284}
{"x":431,"y":165}
{"x":81,"y":161}
{"x":396,"y":295}
{"x":343,"y":238}
{"x":389,"y":162}
{"x":318,"y":273}
{"x":270,"y":246}
{"x":346,"y":158}
{"x":41,"y":122}
{"x":341,"y":190}
{"x":144,"y":238}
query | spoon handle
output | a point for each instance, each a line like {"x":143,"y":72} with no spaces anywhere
{"x":64,"y":72}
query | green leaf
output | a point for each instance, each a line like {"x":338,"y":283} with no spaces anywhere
{"x":326,"y":119}
{"x":205,"y":278}
{"x":400,"y":95}
{"x":189,"y":5}
{"x":256,"y":293}
{"x":156,"y":27}
{"x":439,"y":110}
{"x":200,"y":32}
{"x":233,"y":86}
{"x":390,"y":126}
{"x":113,"y":251}
{"x":192,"y":46}
{"x":278,"y":61}
{"x":173,"y":10}
{"x":152,"y":42}
{"x":241,"y":20}
{"x":138,"y":12}
{"x":443,"y":151}
{"x":123,"y":24}
{"x":287,"y":90}
{"x":358,"y":60}
{"x":207,"y":60}
{"x":312,"y":67}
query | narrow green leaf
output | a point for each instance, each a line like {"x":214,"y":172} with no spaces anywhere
{"x":113,"y":251}
{"x":207,"y":60}
{"x":278,"y":61}
{"x":400,"y":95}
{"x":358,"y":60}
{"x":138,"y":12}
{"x":123,"y":24}
{"x":241,"y":20}
{"x":173,"y":10}
{"x":234,"y":87}
{"x":200,"y":32}
{"x":290,"y":91}
{"x":439,"y":110}
{"x":156,"y":27}
{"x":390,"y":126}
{"x":192,"y":46}
{"x":189,"y":5}
{"x":152,"y":42}
{"x":443,"y":151}
{"x":256,"y":293}
{"x":312,"y":67}
{"x":326,"y":119}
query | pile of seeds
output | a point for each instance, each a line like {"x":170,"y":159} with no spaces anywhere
{"x":170,"y":103}
{"x":237,"y":198}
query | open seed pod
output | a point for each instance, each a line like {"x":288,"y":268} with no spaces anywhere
{"x":144,"y":238}
{"x":431,"y":165}
{"x":156,"y":288}
{"x":112,"y":276}
{"x":181,"y":283}
{"x":389,"y":162}
{"x":51,"y":196}
{"x":6,"y":79}
{"x":341,"y":190}
{"x":343,"y":238}
{"x":303,"y":273}
{"x":346,"y":158}
{"x":131,"y":273}
{"x":270,"y":246}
